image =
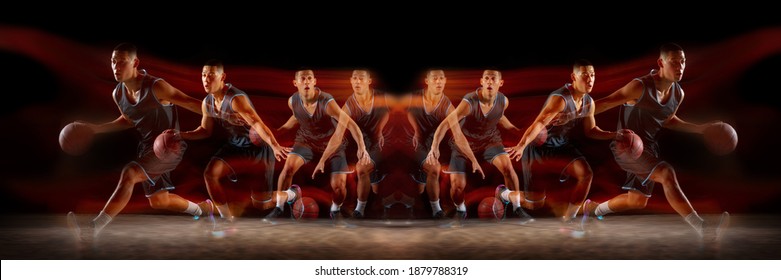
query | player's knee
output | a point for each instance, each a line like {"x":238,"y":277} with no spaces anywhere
{"x":131,"y":174}
{"x":338,"y":183}
{"x":665,"y":174}
{"x":637,"y":201}
{"x":211,"y":175}
{"x":506,"y":170}
{"x":432,"y":169}
{"x":364,"y":169}
{"x":158,"y":201}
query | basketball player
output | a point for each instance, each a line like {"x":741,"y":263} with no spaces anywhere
{"x":565,"y":108}
{"x":146,"y":103}
{"x":425,"y":111}
{"x":368,"y":108}
{"x":647,"y":104}
{"x":234,"y":111}
{"x":481,"y":111}
{"x":317,"y":113}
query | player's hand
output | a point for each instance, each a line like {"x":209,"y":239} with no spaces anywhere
{"x":710,"y":124}
{"x":476,"y":167}
{"x":380,"y":141}
{"x":319,"y":168}
{"x":363,"y":157}
{"x":280,"y":152}
{"x":515,"y":152}
{"x":433,"y":156}
{"x":415,"y":141}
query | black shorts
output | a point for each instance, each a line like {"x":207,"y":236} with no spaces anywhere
{"x":543,"y":165}
{"x":336,"y":164}
{"x":458,"y":160}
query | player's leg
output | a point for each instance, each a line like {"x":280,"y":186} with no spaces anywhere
{"x":293,"y":162}
{"x":432,"y":188}
{"x":364,"y":171}
{"x":579,"y":170}
{"x":215,"y":170}
{"x":502,"y":163}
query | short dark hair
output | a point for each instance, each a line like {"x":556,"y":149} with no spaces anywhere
{"x":581,"y":63}
{"x":429,"y":70}
{"x":669,"y":47}
{"x":215,"y":63}
{"x":368,"y":72}
{"x":126,"y":47}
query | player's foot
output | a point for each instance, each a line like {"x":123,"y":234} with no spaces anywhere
{"x":357,"y":215}
{"x":589,"y":210}
{"x":458,"y":219}
{"x":525,"y":218}
{"x":439,"y":215}
{"x":499,"y":208}
{"x":712,"y":233}
{"x":338,"y":220}
{"x":224,"y":228}
{"x":297,"y":190}
{"x":274,"y":214}
{"x":81,"y":234}
{"x":572,"y":228}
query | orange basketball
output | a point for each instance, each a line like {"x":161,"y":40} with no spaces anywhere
{"x":310,"y":209}
{"x":75,"y":138}
{"x":486,"y":208}
{"x":629,"y":144}
{"x":168,"y":145}
{"x":721,"y":138}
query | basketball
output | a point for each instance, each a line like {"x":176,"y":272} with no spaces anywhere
{"x":310,"y":209}
{"x":168,"y":145}
{"x":721,"y":138}
{"x":541,"y":137}
{"x":629,"y":144}
{"x":255,"y":137}
{"x":75,"y":138}
{"x":486,"y":209}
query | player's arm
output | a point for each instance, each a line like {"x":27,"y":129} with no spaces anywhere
{"x":448,"y":123}
{"x":202,"y":131}
{"x":553,"y":106}
{"x":166,"y":92}
{"x":591,"y":129}
{"x":461,"y":144}
{"x":505,"y":123}
{"x":291,"y":122}
{"x":627,"y":94}
{"x":411,"y":118}
{"x":120,"y":123}
{"x":380,"y":128}
{"x":241,"y":105}
{"x":677,"y":124}
{"x":344,"y":123}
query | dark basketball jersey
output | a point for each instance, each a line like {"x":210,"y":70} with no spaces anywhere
{"x":316,"y":129}
{"x":428,"y":119}
{"x":559,"y":127}
{"x":480,"y":128}
{"x":148,"y":115}
{"x":236,"y":126}
{"x":647,"y":116}
{"x":369,"y":121}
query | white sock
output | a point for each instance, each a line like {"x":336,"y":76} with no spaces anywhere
{"x":193,"y":209}
{"x":505,"y":195}
{"x":335,"y":207}
{"x":694,"y":220}
{"x":603,"y":209}
{"x":101,"y":221}
{"x":461,"y":207}
{"x":360,"y":206}
{"x":517,"y":202}
{"x":224,"y":210}
{"x":435,"y":206}
{"x":290,"y":195}
{"x":281,"y":200}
